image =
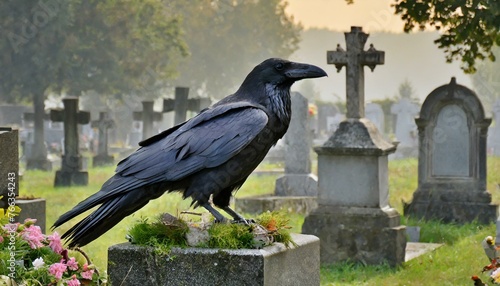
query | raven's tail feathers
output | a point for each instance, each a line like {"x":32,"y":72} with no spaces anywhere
{"x":108,"y":215}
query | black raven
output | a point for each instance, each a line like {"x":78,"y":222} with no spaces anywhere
{"x":212,"y":154}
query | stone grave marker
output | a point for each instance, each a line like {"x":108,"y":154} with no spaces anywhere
{"x":375,"y":114}
{"x":36,"y":148}
{"x":452,"y":132}
{"x":148,"y":116}
{"x":494,"y":132}
{"x":298,"y":180}
{"x":354,"y":220}
{"x":272,"y":265}
{"x":9,"y":180}
{"x":296,"y":190}
{"x":181,"y":104}
{"x":326,"y":113}
{"x":406,"y":131}
{"x":71,"y":172}
{"x":103,"y":125}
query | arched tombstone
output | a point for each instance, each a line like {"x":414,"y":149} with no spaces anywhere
{"x":452,"y":133}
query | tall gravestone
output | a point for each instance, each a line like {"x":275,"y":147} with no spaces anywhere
{"x":405,"y":112}
{"x":103,"y":125}
{"x":354,"y":220}
{"x":297,"y":189}
{"x":298,"y":180}
{"x":452,"y":132}
{"x":181,"y":104}
{"x":375,"y":114}
{"x":494,"y":133}
{"x":148,"y":116}
{"x":71,"y":172}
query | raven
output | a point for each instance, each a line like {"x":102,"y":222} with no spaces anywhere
{"x":210,"y":155}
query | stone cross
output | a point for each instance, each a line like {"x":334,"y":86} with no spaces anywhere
{"x":148,"y":116}
{"x":70,"y":173}
{"x":103,"y":124}
{"x":181,"y":104}
{"x":354,"y":59}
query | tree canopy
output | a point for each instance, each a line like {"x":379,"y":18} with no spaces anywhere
{"x":469,"y":28}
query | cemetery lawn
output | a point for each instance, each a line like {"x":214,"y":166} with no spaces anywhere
{"x":453,"y":264}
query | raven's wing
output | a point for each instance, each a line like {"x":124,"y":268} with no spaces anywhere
{"x":208,"y":140}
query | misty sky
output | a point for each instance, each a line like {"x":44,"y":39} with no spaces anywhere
{"x":372,"y":15}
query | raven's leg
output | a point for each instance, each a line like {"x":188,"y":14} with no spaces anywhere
{"x":236,"y":216}
{"x":218,"y":216}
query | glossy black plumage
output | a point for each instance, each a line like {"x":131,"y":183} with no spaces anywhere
{"x":211,"y":154}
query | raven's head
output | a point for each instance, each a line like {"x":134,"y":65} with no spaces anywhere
{"x":282,"y":72}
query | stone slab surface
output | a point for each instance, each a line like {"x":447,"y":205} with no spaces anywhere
{"x":273,"y":265}
{"x":260,"y":204}
{"x":415,"y":249}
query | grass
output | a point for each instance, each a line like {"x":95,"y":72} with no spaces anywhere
{"x":452,"y":264}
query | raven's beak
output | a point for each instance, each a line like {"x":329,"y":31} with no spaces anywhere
{"x":298,"y":71}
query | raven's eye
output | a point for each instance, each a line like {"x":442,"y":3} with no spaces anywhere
{"x":279,"y":66}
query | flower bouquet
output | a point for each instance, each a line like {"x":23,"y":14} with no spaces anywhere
{"x":29,"y":257}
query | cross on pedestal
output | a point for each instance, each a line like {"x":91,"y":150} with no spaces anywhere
{"x":181,"y":104}
{"x":71,"y":167}
{"x":354,"y":59}
{"x":103,"y":124}
{"x":148,"y":116}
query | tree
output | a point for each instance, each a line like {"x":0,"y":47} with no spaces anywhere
{"x":226,"y":38}
{"x":75,"y":45}
{"x":486,"y":81}
{"x":470,"y":28}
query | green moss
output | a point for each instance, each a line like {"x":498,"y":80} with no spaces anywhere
{"x":276,"y":223}
{"x":230,"y":236}
{"x":160,"y":234}
{"x":167,"y":231}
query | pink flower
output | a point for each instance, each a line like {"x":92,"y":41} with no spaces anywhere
{"x":87,"y":272}
{"x":57,"y":269}
{"x":29,"y":221}
{"x":33,"y":235}
{"x":73,"y":281}
{"x":1,"y":239}
{"x":72,"y":264}
{"x":55,"y":242}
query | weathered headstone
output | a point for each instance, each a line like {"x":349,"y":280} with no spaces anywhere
{"x":298,"y":180}
{"x":9,"y":180}
{"x":494,"y":132}
{"x":273,"y":265}
{"x":181,"y":104}
{"x":71,"y":172}
{"x":9,"y":164}
{"x":296,"y":190}
{"x":406,"y":130}
{"x":37,"y":155}
{"x":103,"y":124}
{"x":452,"y":132}
{"x":354,"y":220}
{"x":375,"y":114}
{"x":326,"y":112}
{"x":148,"y":116}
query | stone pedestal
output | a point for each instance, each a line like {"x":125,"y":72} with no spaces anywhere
{"x":273,"y":265}
{"x":354,"y":220}
{"x":71,"y":172}
{"x":38,"y":164}
{"x":364,"y":235}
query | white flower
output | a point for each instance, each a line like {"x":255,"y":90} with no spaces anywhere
{"x":37,"y":263}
